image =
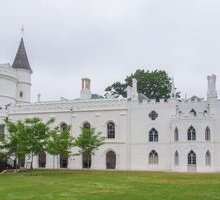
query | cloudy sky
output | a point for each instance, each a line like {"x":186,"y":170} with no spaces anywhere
{"x":106,"y":40}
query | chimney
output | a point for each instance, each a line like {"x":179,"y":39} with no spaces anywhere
{"x":85,"y":92}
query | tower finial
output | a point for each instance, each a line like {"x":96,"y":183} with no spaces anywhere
{"x":173,"y":90}
{"x":22,"y":29}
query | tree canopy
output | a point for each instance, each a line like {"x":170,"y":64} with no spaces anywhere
{"x":154,"y":84}
{"x":88,"y":142}
{"x":32,"y":137}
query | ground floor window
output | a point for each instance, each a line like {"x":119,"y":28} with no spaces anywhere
{"x":191,"y":158}
{"x":176,"y":158}
{"x":208,"y":159}
{"x":153,"y":158}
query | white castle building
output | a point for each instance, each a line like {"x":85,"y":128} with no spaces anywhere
{"x":141,"y":134}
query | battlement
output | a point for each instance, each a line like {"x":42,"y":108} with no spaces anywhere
{"x":7,"y":71}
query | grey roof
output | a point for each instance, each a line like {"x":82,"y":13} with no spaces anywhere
{"x":194,"y":98}
{"x":96,"y":96}
{"x":21,"y":59}
{"x":142,"y":97}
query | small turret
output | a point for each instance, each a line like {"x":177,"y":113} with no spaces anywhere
{"x":212,"y":92}
{"x":21,"y":59}
{"x":173,"y":90}
{"x":24,"y":71}
{"x":132,"y":93}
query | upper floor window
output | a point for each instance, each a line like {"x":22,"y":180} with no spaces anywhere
{"x":153,"y":115}
{"x":191,"y":133}
{"x":63,"y":126}
{"x":207,"y":134}
{"x":153,"y":135}
{"x":193,"y":112}
{"x":153,"y":158}
{"x":21,"y":94}
{"x":176,"y":135}
{"x":2,"y":130}
{"x":87,"y":125}
{"x":111,"y":130}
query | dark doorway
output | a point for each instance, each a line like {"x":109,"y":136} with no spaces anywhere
{"x":86,"y":160}
{"x":42,"y":160}
{"x":21,"y":161}
{"x":63,"y":161}
{"x":110,"y":160}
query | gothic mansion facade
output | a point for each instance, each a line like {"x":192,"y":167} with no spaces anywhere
{"x":141,"y":134}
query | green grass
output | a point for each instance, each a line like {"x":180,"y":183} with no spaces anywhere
{"x":106,"y":185}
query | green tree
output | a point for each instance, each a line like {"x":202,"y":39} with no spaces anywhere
{"x":36,"y":135}
{"x":59,"y":141}
{"x":88,"y":142}
{"x":14,"y":143}
{"x":154,"y":84}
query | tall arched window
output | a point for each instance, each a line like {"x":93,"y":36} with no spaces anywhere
{"x":153,"y":158}
{"x":2,"y":130}
{"x":63,"y":161}
{"x":191,"y":158}
{"x":176,"y":158}
{"x":87,"y":125}
{"x":42,"y":159}
{"x":176,"y":135}
{"x":191,"y":133}
{"x":63,"y":126}
{"x":207,"y":134}
{"x":208,"y":159}
{"x":111,"y":130}
{"x":153,"y":135}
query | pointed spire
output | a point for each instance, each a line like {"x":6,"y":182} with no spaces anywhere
{"x":21,"y":59}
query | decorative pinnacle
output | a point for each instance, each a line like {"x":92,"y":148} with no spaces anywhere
{"x":22,"y":29}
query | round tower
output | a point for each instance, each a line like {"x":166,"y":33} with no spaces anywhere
{"x":23,"y":73}
{"x":8,"y":85}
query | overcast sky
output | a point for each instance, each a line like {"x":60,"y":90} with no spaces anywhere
{"x":106,"y":40}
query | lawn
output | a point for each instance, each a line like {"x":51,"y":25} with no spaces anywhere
{"x":106,"y":185}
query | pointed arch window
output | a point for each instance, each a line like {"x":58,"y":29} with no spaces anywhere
{"x":176,"y":158}
{"x":208,"y":159}
{"x":63,"y":126}
{"x":111,"y":130}
{"x":153,"y":135}
{"x":2,"y":130}
{"x":176,"y":135}
{"x":153,"y":158}
{"x":87,"y":125}
{"x":191,"y":158}
{"x":191,"y":133}
{"x":193,"y":112}
{"x":207,"y":134}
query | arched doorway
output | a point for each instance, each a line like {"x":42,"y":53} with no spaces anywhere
{"x":110,"y":160}
{"x":63,"y":161}
{"x":42,"y":160}
{"x":21,"y":161}
{"x":86,"y":160}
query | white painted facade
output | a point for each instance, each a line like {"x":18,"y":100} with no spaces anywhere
{"x":131,"y":143}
